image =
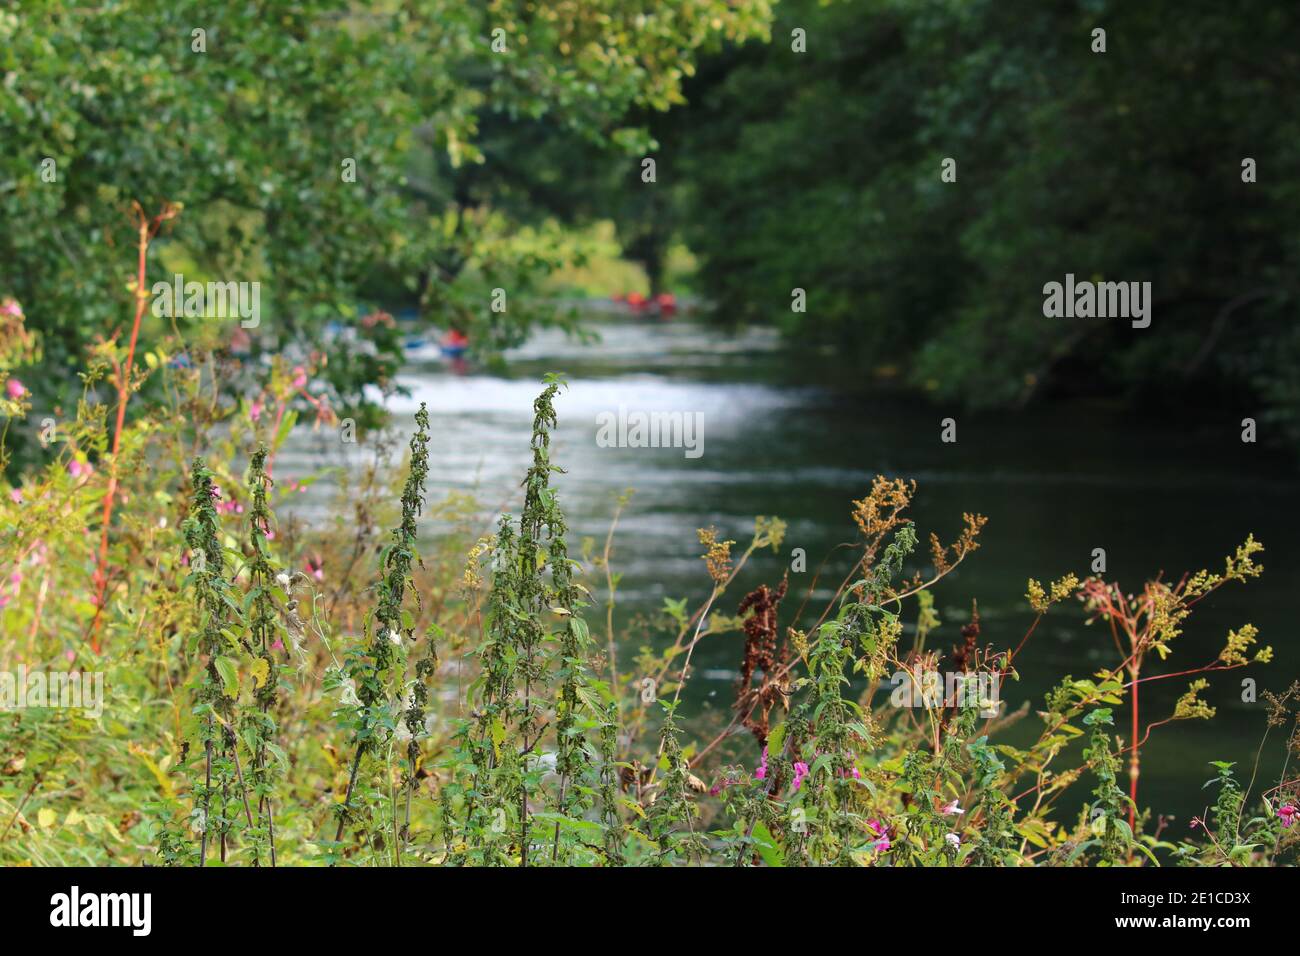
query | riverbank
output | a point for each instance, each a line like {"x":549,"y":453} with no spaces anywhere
{"x":1056,"y":482}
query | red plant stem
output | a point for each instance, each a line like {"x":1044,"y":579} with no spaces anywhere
{"x":1205,"y":669}
{"x":147,"y":229}
{"x":1133,"y":764}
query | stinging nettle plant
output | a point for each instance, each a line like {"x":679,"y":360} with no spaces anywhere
{"x":538,"y":750}
{"x":214,"y":687}
{"x":375,"y":700}
{"x":234,"y":693}
{"x":266,"y":630}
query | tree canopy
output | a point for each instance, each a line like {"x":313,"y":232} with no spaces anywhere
{"x":822,"y":170}
{"x":252,"y":115}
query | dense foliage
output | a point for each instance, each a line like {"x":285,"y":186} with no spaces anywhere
{"x":822,"y":170}
{"x":317,"y":148}
{"x":480,"y":133}
{"x":351,"y":695}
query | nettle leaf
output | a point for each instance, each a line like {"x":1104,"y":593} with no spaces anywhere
{"x":259,"y":670}
{"x":775,"y":738}
{"x":498,"y":732}
{"x":821,"y":763}
{"x":1080,"y":849}
{"x":229,"y":674}
{"x":1147,"y":853}
{"x":589,"y":698}
{"x":1241,"y":851}
{"x":588,"y":827}
{"x":1035,"y":831}
{"x":769,"y":850}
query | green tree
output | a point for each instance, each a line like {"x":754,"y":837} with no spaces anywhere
{"x":254,"y":117}
{"x":821,"y":170}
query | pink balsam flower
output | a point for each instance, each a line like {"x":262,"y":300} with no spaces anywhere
{"x":881,"y":844}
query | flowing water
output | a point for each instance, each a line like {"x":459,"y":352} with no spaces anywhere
{"x":1159,"y":494}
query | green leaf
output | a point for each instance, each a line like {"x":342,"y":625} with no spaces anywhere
{"x":229,"y":676}
{"x":775,"y":738}
{"x":286,"y":426}
{"x":769,"y":850}
{"x":498,"y":731}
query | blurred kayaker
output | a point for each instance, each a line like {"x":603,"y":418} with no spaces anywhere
{"x":455,"y":343}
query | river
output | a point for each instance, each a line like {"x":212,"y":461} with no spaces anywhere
{"x":1157,"y":492}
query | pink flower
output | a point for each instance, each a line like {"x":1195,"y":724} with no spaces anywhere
{"x":15,"y":389}
{"x":723,"y":784}
{"x":1287,"y":814}
{"x":800,"y":771}
{"x":951,"y":809}
{"x":316,"y":567}
{"x":16,"y":579}
{"x":77,"y":468}
{"x":761,"y":772}
{"x":255,"y":410}
{"x":851,"y":772}
{"x":16,"y":495}
{"x":299,"y":376}
{"x":881,"y":844}
{"x":12,"y":308}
